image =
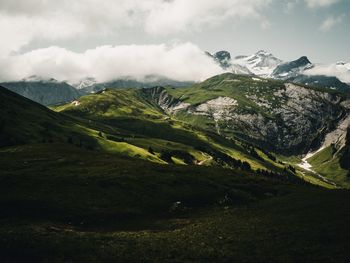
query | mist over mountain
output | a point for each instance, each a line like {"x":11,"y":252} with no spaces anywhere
{"x":44,"y":91}
{"x":49,"y":91}
{"x":168,"y":131}
{"x":301,"y":70}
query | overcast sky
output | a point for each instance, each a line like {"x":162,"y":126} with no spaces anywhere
{"x":71,"y":39}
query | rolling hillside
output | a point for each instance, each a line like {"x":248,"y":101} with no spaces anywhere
{"x":130,"y":115}
{"x":136,"y":173}
{"x":252,"y":117}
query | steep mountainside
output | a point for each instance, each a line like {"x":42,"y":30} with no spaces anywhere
{"x":321,"y":82}
{"x":291,"y":69}
{"x":46,"y":92}
{"x":136,"y":117}
{"x":228,"y":120}
{"x":276,"y":116}
{"x":125,"y":174}
{"x":125,"y":123}
{"x":282,"y":116}
{"x":23,"y":121}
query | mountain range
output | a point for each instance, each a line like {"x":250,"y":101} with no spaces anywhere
{"x":44,"y":91}
{"x":262,"y":64}
{"x":301,"y":70}
{"x":277,"y":117}
{"x":188,"y":173}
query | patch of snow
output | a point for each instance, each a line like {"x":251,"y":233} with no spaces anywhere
{"x":261,"y":64}
{"x":84,"y":83}
{"x":306,"y":166}
{"x":76,"y":103}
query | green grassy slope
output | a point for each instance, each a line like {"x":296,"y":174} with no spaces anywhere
{"x":130,"y":116}
{"x":66,"y":204}
{"x":124,"y":122}
{"x":229,"y":85}
{"x":120,"y":122}
{"x":327,"y":163}
{"x":23,"y":121}
{"x":239,"y":87}
{"x":86,"y":188}
{"x":242,"y":89}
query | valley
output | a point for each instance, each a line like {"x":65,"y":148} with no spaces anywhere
{"x":173,"y":174}
{"x":174,"y":131}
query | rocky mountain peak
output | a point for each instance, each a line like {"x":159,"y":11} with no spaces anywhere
{"x":302,"y":61}
{"x":263,"y":53}
{"x":223,"y":58}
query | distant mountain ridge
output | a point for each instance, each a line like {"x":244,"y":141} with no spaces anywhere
{"x":289,"y":69}
{"x":261,"y":64}
{"x":43,"y":91}
{"x":301,"y":71}
{"x":90,"y":85}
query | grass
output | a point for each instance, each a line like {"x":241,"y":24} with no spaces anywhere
{"x":123,"y":122}
{"x":65,"y":204}
{"x":71,"y":190}
{"x":88,"y":183}
{"x":327,"y":163}
{"x":158,"y":132}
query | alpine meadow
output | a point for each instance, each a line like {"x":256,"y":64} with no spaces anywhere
{"x":174,"y":131}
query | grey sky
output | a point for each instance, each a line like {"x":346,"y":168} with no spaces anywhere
{"x":287,"y":28}
{"x":293,"y":30}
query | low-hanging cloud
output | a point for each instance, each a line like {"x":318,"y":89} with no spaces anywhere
{"x":339,"y":70}
{"x":181,"y":61}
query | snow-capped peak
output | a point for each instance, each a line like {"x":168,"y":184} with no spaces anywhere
{"x":263,"y":53}
{"x":84,"y":83}
{"x":340,"y":63}
{"x":262,"y":63}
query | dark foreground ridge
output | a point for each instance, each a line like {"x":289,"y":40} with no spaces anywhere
{"x":65,"y":204}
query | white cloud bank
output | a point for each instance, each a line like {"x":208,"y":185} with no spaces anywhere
{"x":182,"y":61}
{"x":339,"y":70}
{"x":22,"y":21}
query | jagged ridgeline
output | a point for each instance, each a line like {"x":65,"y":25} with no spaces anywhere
{"x":229,"y":120}
{"x":129,"y":123}
{"x":197,"y":173}
{"x":45,"y":92}
{"x":255,"y":118}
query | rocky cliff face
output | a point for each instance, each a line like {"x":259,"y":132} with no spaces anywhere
{"x":288,"y":119}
